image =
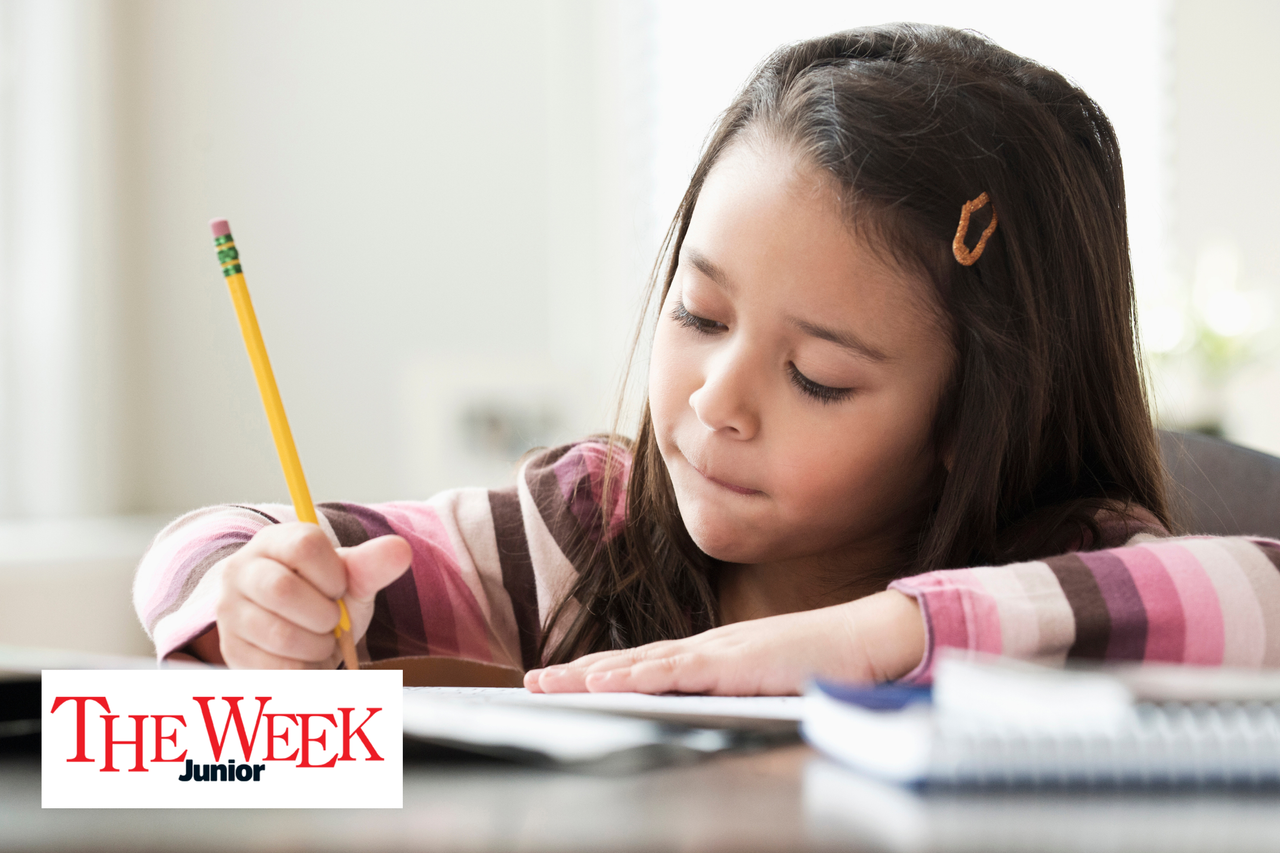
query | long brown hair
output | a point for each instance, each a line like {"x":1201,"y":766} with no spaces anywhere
{"x":1046,"y":412}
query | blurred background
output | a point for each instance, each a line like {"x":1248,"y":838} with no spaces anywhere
{"x":446,"y":213}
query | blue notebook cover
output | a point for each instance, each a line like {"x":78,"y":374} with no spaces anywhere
{"x":879,"y":697}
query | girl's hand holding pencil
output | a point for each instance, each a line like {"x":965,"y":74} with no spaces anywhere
{"x":270,"y":629}
{"x":279,"y":602}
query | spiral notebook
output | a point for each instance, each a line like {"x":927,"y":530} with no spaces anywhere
{"x":996,"y":722}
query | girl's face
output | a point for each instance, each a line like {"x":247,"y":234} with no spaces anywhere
{"x":795,"y":373}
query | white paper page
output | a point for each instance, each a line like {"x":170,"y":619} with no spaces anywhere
{"x":587,"y":727}
{"x":563,"y":735}
{"x":709,"y":711}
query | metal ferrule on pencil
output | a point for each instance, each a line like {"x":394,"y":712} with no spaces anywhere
{"x":227,"y":254}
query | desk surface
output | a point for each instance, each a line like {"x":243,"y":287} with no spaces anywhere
{"x":781,"y":799}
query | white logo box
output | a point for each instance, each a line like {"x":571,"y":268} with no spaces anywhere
{"x":304,"y":739}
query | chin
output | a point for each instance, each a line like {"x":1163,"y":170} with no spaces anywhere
{"x":721,"y":542}
{"x":720,"y":532}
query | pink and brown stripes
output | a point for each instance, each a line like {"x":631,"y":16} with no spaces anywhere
{"x":1208,"y":601}
{"x":517,"y":571}
{"x":561,"y":485}
{"x":194,"y":561}
{"x":429,"y":610}
{"x":1198,"y":601}
{"x":396,"y":628}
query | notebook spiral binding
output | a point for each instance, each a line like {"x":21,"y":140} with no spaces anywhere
{"x":1169,"y":743}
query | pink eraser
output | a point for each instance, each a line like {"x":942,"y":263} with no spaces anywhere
{"x":220,"y":227}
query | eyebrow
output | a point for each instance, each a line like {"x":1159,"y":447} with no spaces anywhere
{"x":707,"y":267}
{"x":847,"y":340}
{"x":841,"y":338}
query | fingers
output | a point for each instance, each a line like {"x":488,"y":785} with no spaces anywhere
{"x":580,"y":675}
{"x":269,"y":618}
{"x":569,"y":677}
{"x":772,"y":656}
{"x":275,"y":587}
{"x":372,"y":565}
{"x":277,"y":607}
{"x":305,"y":550}
{"x":241,"y":654}
{"x":678,"y":673}
{"x":275,"y":635}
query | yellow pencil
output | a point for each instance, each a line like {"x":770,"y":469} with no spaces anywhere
{"x":306,"y":511}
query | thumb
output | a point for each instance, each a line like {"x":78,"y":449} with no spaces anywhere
{"x":374,"y":564}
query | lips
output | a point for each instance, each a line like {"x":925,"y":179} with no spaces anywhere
{"x":730,"y":486}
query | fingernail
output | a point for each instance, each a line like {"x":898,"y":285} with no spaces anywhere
{"x":534,"y":673}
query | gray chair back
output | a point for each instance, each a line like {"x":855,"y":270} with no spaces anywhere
{"x":1221,"y":488}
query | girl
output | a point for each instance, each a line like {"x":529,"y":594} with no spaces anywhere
{"x":896,"y":338}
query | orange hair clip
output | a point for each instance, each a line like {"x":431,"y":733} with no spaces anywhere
{"x":958,"y":248}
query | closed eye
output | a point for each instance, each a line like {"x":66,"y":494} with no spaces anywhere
{"x":821,"y":393}
{"x":699,"y":324}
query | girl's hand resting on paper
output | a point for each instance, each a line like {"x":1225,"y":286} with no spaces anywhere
{"x":877,"y":638}
{"x":278,"y":605}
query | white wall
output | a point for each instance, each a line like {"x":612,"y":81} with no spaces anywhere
{"x":420,"y":193}
{"x":1226,"y":138}
{"x":60,"y":387}
{"x":1227,"y":132}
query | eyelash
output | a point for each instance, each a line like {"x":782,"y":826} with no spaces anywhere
{"x":821,"y":393}
{"x":699,"y":324}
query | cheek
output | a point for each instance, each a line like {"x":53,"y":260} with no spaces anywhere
{"x":870,"y":467}
{"x":671,"y":370}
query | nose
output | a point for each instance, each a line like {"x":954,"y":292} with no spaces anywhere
{"x":725,"y":402}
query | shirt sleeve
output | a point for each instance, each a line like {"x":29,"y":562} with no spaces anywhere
{"x":488,"y":568}
{"x":1209,"y":601}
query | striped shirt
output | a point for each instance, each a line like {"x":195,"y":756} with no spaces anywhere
{"x":489,"y":566}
